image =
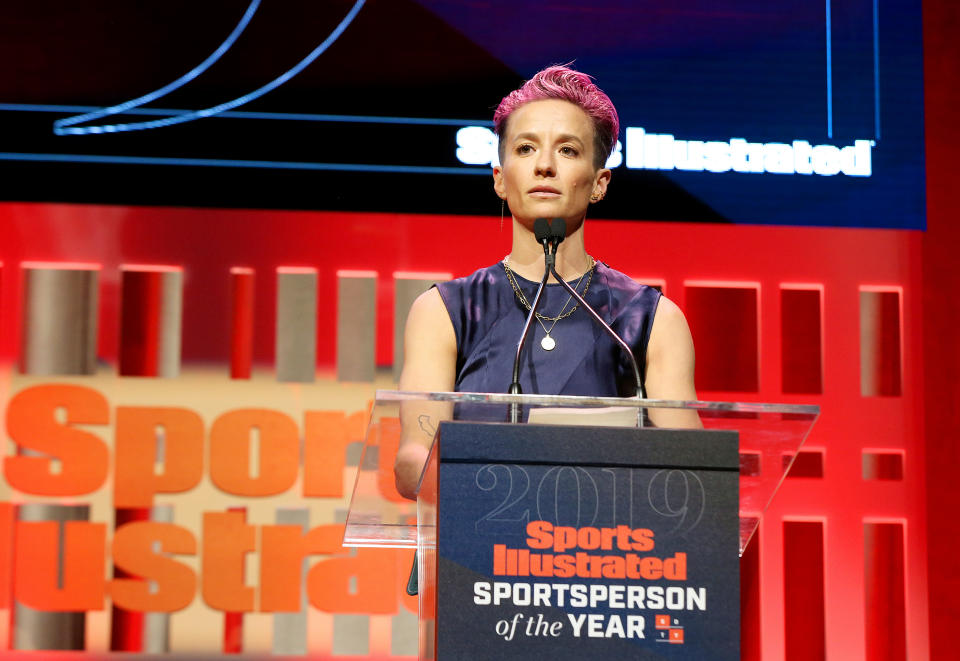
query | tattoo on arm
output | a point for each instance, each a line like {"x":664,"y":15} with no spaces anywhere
{"x":427,"y":425}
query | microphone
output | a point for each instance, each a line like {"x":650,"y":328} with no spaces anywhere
{"x":558,"y":231}
{"x":542,"y":232}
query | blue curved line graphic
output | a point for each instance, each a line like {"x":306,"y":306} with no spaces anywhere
{"x":239,"y":163}
{"x":228,"y":105}
{"x":163,"y":91}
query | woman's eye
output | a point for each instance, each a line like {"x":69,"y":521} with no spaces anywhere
{"x":524,"y":149}
{"x":567,"y":150}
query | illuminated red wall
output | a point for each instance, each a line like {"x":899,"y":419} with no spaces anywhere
{"x":735,"y":283}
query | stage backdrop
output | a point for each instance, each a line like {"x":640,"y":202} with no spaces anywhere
{"x":216,"y":218}
{"x":123,"y":328}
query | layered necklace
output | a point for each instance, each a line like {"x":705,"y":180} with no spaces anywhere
{"x":548,"y":343}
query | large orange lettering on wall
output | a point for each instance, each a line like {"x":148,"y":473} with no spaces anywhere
{"x":135,"y":478}
{"x":161,"y":450}
{"x":32,"y":424}
{"x":133,"y":552}
{"x":279,"y":452}
{"x":374,"y":572}
{"x":227,"y":538}
{"x":37,"y":560}
{"x":284,"y":548}
{"x":326,"y":437}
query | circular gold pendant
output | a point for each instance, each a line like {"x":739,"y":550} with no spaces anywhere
{"x":548,"y":343}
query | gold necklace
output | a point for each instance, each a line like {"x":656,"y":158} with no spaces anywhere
{"x":547,"y":342}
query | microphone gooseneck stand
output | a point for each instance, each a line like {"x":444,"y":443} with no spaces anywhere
{"x":550,"y":234}
{"x":596,"y":317}
{"x":558,"y":230}
{"x":542,"y":232}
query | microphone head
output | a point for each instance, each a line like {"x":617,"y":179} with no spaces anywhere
{"x":541,"y":229}
{"x":558,"y":229}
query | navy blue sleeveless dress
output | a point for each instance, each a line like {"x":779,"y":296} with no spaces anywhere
{"x":488,"y":318}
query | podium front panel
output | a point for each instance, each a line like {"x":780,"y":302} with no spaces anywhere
{"x":560,"y":542}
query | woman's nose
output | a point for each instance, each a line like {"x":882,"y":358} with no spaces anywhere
{"x":545,"y":165}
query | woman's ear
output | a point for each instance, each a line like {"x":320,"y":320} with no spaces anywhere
{"x":601,"y":183}
{"x":498,"y":186}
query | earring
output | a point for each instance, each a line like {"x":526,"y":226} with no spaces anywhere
{"x":502,"y":205}
{"x":596,"y":197}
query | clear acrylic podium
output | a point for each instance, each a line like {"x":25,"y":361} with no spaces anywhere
{"x":769,"y":437}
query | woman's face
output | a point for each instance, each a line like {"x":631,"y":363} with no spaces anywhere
{"x":548,"y":163}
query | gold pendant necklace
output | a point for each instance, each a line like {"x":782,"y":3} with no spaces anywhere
{"x":547,"y":343}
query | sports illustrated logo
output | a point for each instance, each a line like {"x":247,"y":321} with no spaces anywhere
{"x":477,"y":145}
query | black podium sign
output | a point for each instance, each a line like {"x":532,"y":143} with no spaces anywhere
{"x":586,"y":542}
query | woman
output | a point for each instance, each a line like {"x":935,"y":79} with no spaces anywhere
{"x":556,"y":133}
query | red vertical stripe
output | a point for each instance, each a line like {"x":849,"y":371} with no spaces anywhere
{"x":126,"y":627}
{"x":241,"y":322}
{"x":725,"y":327}
{"x":882,"y":355}
{"x":140,"y":310}
{"x":884,"y":592}
{"x":233,"y":622}
{"x":233,"y":633}
{"x":889,"y":348}
{"x":750,"y":601}
{"x":803,"y":592}
{"x":800,"y":345}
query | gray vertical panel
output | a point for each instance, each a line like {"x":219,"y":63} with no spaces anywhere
{"x":296,"y":345}
{"x":404,"y":634}
{"x":870,"y":341}
{"x":405,"y":292}
{"x":44,"y":630}
{"x":156,"y":626}
{"x":171,"y":313}
{"x":290,"y":629}
{"x":355,"y":452}
{"x":59,"y":320}
{"x":356,"y":326}
{"x":880,"y":343}
{"x":351,"y":635}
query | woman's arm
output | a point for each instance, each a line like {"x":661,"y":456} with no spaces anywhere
{"x":670,"y":361}
{"x":429,"y":364}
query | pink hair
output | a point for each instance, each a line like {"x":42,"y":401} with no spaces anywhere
{"x":560,"y":82}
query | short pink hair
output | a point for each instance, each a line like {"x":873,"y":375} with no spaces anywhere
{"x":560,"y":82}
